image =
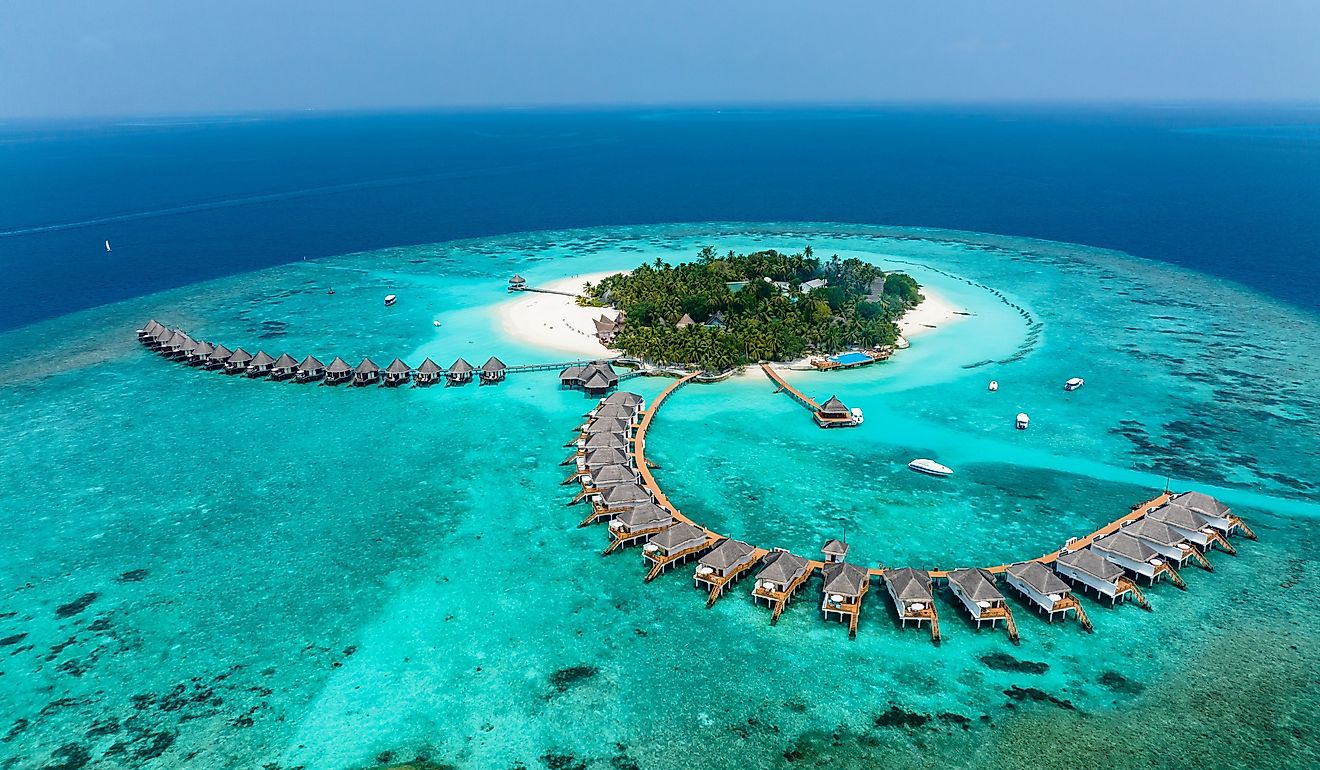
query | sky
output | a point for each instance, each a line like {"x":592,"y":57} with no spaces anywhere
{"x":60,"y":58}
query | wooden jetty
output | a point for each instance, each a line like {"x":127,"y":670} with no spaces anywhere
{"x":831,"y":414}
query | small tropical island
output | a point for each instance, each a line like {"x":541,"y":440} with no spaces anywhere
{"x":720,"y":312}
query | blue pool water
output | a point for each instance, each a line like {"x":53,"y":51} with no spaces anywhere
{"x":850,"y":358}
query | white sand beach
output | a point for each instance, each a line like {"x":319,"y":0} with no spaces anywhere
{"x":934,"y":312}
{"x":556,"y":322}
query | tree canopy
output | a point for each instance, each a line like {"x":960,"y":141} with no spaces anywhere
{"x":753,"y":307}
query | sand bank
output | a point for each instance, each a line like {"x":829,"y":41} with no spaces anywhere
{"x":556,"y":322}
{"x":934,"y":312}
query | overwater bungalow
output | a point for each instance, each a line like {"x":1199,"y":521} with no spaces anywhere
{"x":635,"y":524}
{"x":723,"y":565}
{"x":835,"y":550}
{"x":610,"y":476}
{"x":673,"y":545}
{"x":1216,"y":514}
{"x":397,"y":373}
{"x":1091,"y":570}
{"x":366,"y":372}
{"x":146,"y":331}
{"x":1163,"y":539}
{"x":975,"y":588}
{"x":517,"y":283}
{"x":260,"y":365}
{"x":621,"y":496}
{"x":492,"y":371}
{"x":625,"y":399}
{"x":185,"y":349}
{"x":459,"y":372}
{"x":781,"y":576}
{"x":160,"y":337}
{"x":310,"y":369}
{"x":596,"y":457}
{"x":427,"y":373}
{"x":833,"y":414}
{"x":218,"y":357}
{"x":842,"y":591}
{"x":596,"y":377}
{"x":605,"y":441}
{"x":338,"y":371}
{"x":284,"y":367}
{"x":1191,"y":525}
{"x":1131,"y":554}
{"x":1045,"y":590}
{"x":910,"y":591}
{"x":613,"y":412}
{"x":238,"y":361}
{"x":607,"y":425}
{"x":200,"y":354}
{"x":171,"y":344}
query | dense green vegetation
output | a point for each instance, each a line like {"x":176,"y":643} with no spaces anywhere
{"x":741,"y":315}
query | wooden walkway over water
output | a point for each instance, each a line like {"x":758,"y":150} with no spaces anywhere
{"x":793,"y":392}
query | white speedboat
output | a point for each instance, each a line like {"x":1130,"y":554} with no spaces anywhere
{"x":1074,"y":383}
{"x":930,"y":467}
{"x":1023,"y":421}
{"x":856,"y":415}
{"x":390,"y":299}
{"x":994,"y":385}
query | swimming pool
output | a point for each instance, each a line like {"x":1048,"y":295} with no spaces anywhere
{"x":850,"y":358}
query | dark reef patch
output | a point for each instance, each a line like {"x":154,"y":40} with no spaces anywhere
{"x":1120,"y":684}
{"x":1024,"y":694}
{"x":70,"y":756}
{"x":15,"y":639}
{"x":77,"y":605}
{"x":1001,"y":661}
{"x":565,"y":678}
{"x":555,"y":761}
{"x":897,"y":717}
{"x":133,"y":576}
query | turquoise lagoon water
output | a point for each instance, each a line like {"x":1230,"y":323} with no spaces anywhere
{"x":204,"y":571}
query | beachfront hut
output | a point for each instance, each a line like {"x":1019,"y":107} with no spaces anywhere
{"x":238,"y":362}
{"x":492,"y":371}
{"x":260,"y":364}
{"x":842,"y":590}
{"x":459,"y":372}
{"x":1131,"y":554}
{"x":338,"y":371}
{"x":909,"y":590}
{"x":606,"y":329}
{"x":284,"y":367}
{"x":397,"y":372}
{"x":685,"y":322}
{"x":218,"y":357}
{"x":1165,"y":540}
{"x":201,"y":353}
{"x":611,"y":476}
{"x":1039,"y":584}
{"x":783,"y":574}
{"x":975,"y":588}
{"x":723,"y":564}
{"x":835,"y":550}
{"x":833,"y":413}
{"x":1093,"y":571}
{"x":366,"y":372}
{"x":517,"y":283}
{"x":427,"y":373}
{"x":310,"y":369}
{"x":1215,"y":513}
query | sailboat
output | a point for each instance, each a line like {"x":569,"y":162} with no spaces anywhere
{"x":107,"y":246}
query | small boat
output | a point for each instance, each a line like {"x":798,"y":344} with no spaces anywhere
{"x":1023,"y":421}
{"x":856,"y":415}
{"x":390,"y":299}
{"x":929,"y":467}
{"x":107,"y":246}
{"x":329,"y":291}
{"x":437,"y":323}
{"x":1074,"y":383}
{"x":994,"y":385}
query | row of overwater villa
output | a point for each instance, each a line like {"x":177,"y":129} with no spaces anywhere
{"x":176,"y":344}
{"x":1149,"y":544}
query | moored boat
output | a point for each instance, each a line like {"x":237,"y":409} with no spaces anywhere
{"x":929,"y":467}
{"x":1074,"y":383}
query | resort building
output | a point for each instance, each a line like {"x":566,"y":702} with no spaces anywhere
{"x":607,"y":329}
{"x":260,"y":365}
{"x":909,"y":589}
{"x":1191,"y":525}
{"x":492,"y":371}
{"x":1131,"y":554}
{"x":238,"y":362}
{"x":613,"y":412}
{"x":723,"y":565}
{"x":630,"y":401}
{"x":610,"y":476}
{"x":835,"y":551}
{"x":594,"y":458}
{"x":310,"y":369}
{"x":284,"y":367}
{"x":146,"y":331}
{"x":673,"y":545}
{"x":596,"y":377}
{"x":621,"y":496}
{"x":1044,"y":589}
{"x":975,"y":588}
{"x":637,"y":523}
{"x":366,"y":372}
{"x":397,"y":373}
{"x":780,"y":578}
{"x":1163,"y":539}
{"x":171,"y":344}
{"x":338,"y":371}
{"x":200,"y":354}
{"x":218,"y":357}
{"x":716,"y":320}
{"x":427,"y":373}
{"x":460,"y":372}
{"x":605,"y":441}
{"x":813,"y":284}
{"x":685,"y":321}
{"x":517,"y":283}
{"x":833,"y":414}
{"x":607,"y":425}
{"x":1215,"y":513}
{"x":1093,"y":571}
{"x":185,"y":348}
{"x":842,"y":591}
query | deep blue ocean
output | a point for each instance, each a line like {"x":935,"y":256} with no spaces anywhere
{"x":1232,"y":192}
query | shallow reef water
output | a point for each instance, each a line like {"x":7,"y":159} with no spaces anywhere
{"x":211,"y":571}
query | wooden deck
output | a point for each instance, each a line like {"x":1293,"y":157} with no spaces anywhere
{"x":717,"y":583}
{"x":778,"y":600}
{"x":793,"y":392}
{"x":660,"y":564}
{"x":1005,"y":614}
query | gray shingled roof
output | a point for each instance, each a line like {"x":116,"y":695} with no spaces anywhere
{"x":679,"y":532}
{"x":976,"y":584}
{"x":727,"y":554}
{"x":607,"y":425}
{"x":835,"y":548}
{"x":1123,"y":544}
{"x":596,"y":381}
{"x":240,"y":356}
{"x":367,"y":367}
{"x":624,"y":494}
{"x":611,"y":440}
{"x":614,"y":411}
{"x":1203,"y":504}
{"x":286,"y":361}
{"x":460,"y":367}
{"x":624,"y":398}
{"x":605,"y":456}
{"x":428,"y":367}
{"x":1155,"y":531}
{"x":338,"y":366}
{"x":221,"y":353}
{"x":262,"y":358}
{"x":1093,"y":564}
{"x":492,"y":365}
{"x":612,"y":474}
{"x":571,"y":373}
{"x":844,"y":578}
{"x":310,"y":364}
{"x":645,"y":516}
{"x":782,"y":567}
{"x":1178,"y":516}
{"x":397,"y":366}
{"x":1039,"y":577}
{"x":909,"y":585}
{"x":203,"y":349}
